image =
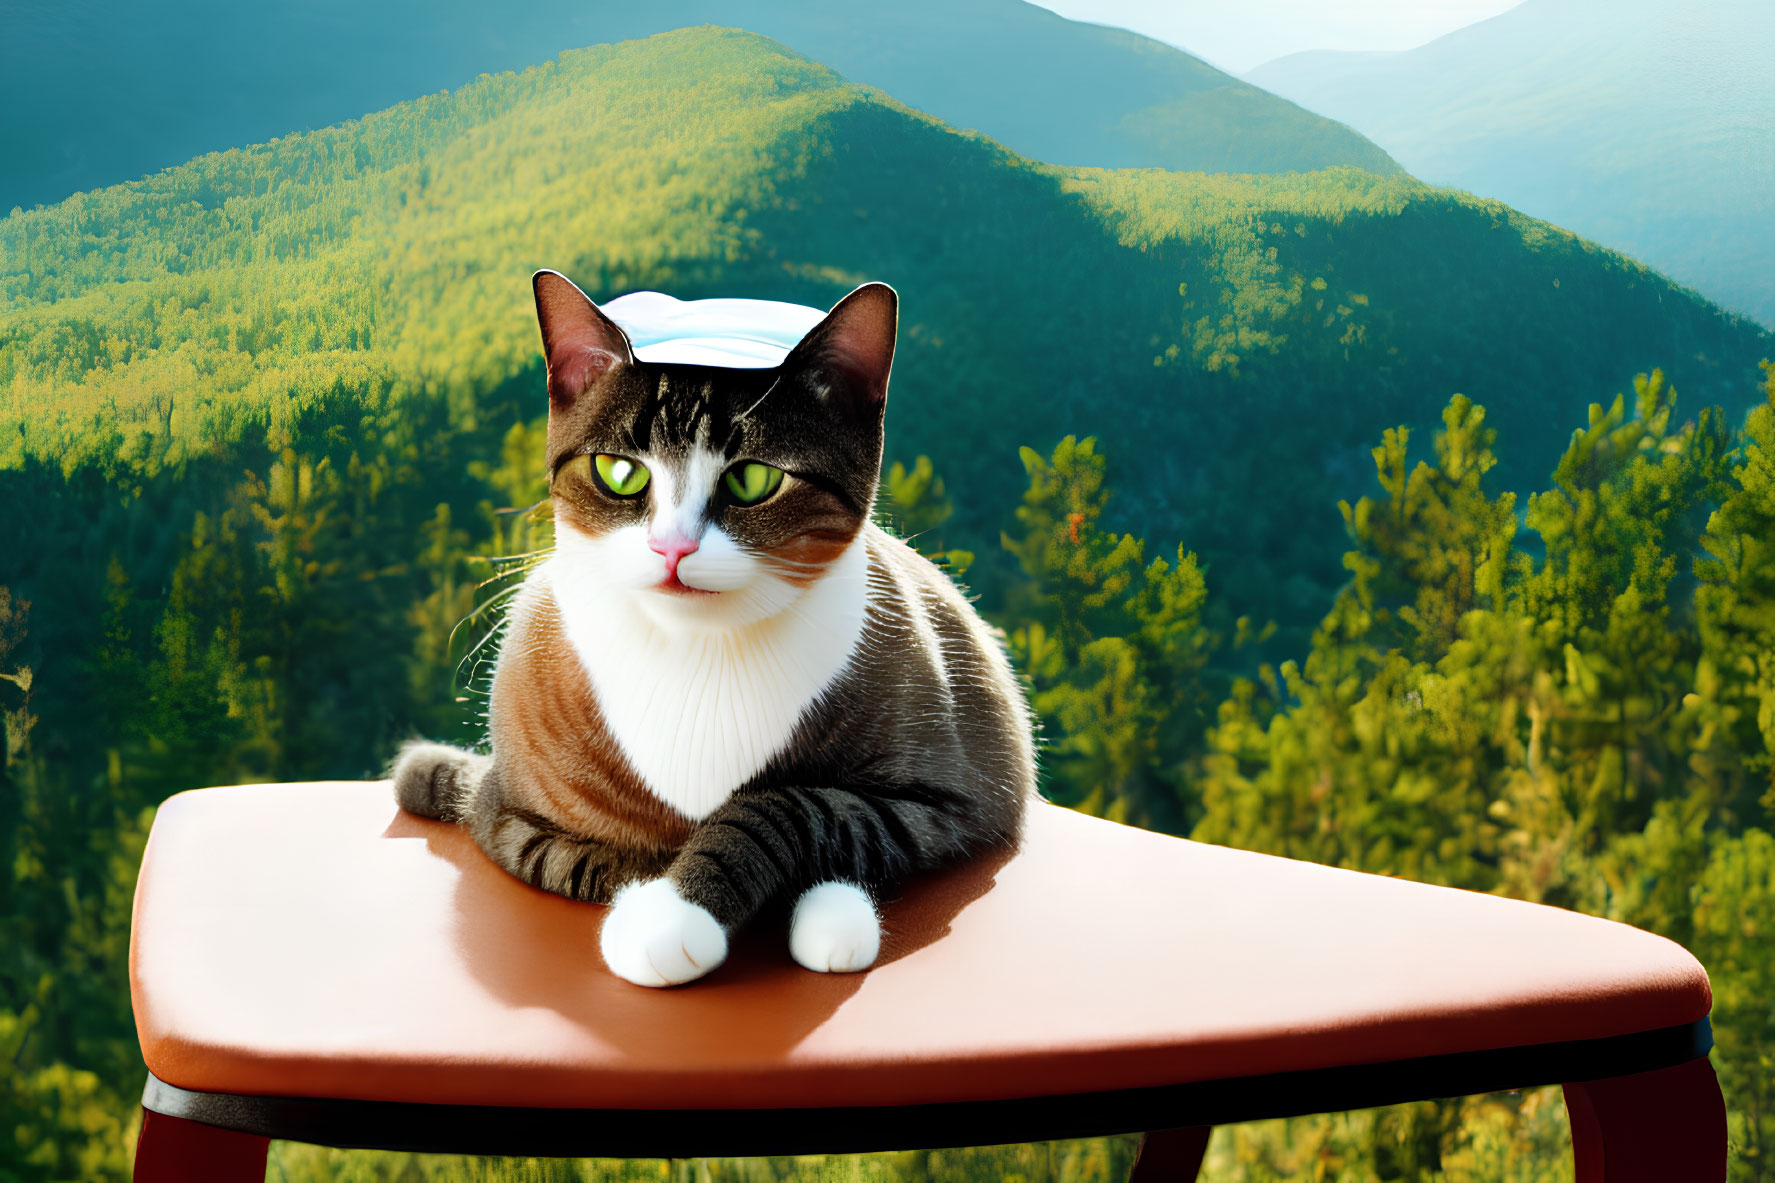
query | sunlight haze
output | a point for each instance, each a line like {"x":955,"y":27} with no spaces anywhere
{"x":1240,"y":37}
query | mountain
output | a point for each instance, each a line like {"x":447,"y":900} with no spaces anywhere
{"x":264,"y":416}
{"x":1237,"y":343}
{"x":93,"y":92}
{"x":1644,"y":125}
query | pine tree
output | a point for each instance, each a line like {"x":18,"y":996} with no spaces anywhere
{"x":1731,"y":709}
{"x":1566,"y":727}
{"x":1734,"y":922}
{"x":1114,"y":647}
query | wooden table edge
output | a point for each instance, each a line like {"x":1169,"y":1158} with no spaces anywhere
{"x":683,"y":1133}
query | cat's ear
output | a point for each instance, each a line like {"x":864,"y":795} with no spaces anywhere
{"x":847,"y":356}
{"x":579,"y":341}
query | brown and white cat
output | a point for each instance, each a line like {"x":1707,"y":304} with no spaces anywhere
{"x":727,"y":684}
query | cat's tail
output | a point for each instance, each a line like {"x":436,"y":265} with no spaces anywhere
{"x":435,"y":780}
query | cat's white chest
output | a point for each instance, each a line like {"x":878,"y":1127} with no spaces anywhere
{"x":699,"y":712}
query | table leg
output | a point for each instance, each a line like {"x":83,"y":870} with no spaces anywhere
{"x":173,"y":1150}
{"x":1167,"y":1155}
{"x":1651,"y":1127}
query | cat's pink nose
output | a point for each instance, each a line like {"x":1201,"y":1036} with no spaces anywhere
{"x":673,"y":548}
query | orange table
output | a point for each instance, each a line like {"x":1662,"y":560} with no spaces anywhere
{"x":309,"y":962}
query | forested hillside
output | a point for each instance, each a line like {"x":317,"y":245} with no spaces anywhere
{"x":103,"y":91}
{"x":265,"y":419}
{"x":363,"y":267}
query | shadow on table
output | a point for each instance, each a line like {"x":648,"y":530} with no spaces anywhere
{"x":533,"y":949}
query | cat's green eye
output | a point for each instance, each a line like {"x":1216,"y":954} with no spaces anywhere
{"x":752,"y":482}
{"x":620,"y":475}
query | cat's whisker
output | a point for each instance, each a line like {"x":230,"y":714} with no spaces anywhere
{"x":505,"y":575}
{"x":747,"y":413}
{"x":498,"y":560}
{"x":469,"y":659}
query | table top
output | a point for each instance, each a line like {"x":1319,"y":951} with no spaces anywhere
{"x":312,"y":940}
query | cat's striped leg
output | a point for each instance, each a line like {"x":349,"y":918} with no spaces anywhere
{"x":438,"y":781}
{"x":540,"y":852}
{"x":645,"y":937}
{"x":649,"y":936}
{"x":830,"y":848}
{"x":762,"y":844}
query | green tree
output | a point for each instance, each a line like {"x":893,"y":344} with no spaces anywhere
{"x":1731,"y":710}
{"x":918,"y":506}
{"x":1734,"y":922}
{"x":1378,"y":760}
{"x":1114,"y":646}
{"x":1548,"y":726}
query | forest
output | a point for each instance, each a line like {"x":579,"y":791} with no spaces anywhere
{"x":267,"y":420}
{"x":381,"y":263}
{"x":1577,"y":708}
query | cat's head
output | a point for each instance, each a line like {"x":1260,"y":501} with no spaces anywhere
{"x":711,"y":496}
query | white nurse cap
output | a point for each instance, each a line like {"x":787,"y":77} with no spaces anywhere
{"x":741,"y":334}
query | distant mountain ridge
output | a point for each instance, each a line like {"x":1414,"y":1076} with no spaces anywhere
{"x":95,"y":92}
{"x":1237,"y":343}
{"x":1647,"y":126}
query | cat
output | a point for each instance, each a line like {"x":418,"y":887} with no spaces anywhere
{"x":727,"y":684}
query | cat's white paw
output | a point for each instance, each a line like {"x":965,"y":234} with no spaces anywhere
{"x":835,"y":929}
{"x":655,"y":937}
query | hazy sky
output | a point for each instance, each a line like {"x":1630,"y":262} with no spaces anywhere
{"x":1238,"y":35}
